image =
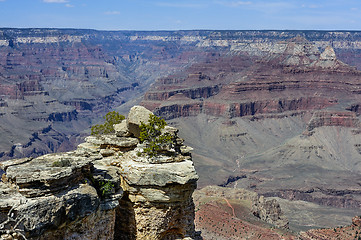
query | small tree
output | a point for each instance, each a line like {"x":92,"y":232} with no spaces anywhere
{"x":111,"y":118}
{"x":151,"y":135}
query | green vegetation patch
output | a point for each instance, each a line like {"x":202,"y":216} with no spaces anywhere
{"x":62,"y":163}
{"x":151,"y":134}
{"x":106,"y":188}
{"x":111,"y":118}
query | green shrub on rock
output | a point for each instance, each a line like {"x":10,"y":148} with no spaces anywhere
{"x":151,"y":134}
{"x":61,"y":163}
{"x":106,"y":188}
{"x":111,"y":118}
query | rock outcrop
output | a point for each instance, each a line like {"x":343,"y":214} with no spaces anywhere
{"x":287,"y":123}
{"x":269,"y":211}
{"x":333,"y":118}
{"x":106,"y":189}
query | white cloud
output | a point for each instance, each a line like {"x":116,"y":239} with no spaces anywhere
{"x":112,"y":13}
{"x":69,"y":5}
{"x":311,"y":6}
{"x":55,"y":1}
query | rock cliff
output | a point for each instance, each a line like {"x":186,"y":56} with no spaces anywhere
{"x":102,"y":190}
{"x":299,"y":78}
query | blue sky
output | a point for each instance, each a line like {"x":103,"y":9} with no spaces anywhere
{"x":183,"y":14}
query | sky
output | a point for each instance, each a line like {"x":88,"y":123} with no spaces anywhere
{"x":183,"y":14}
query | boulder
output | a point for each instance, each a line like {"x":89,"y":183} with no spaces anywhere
{"x":136,"y":116}
{"x":48,"y":174}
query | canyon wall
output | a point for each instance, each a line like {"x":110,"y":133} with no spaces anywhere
{"x":66,"y":79}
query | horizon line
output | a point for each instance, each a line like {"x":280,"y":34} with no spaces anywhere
{"x":179,"y":30}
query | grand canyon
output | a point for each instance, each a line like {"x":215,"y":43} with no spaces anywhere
{"x":273,"y":117}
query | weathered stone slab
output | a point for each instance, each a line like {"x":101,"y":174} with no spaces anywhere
{"x":48,"y":173}
{"x":112,"y":140}
{"x":141,"y":174}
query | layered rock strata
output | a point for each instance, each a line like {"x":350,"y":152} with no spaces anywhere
{"x":284,"y":125}
{"x":333,"y":118}
{"x":106,"y":189}
{"x":79,"y":75}
{"x":299,"y":78}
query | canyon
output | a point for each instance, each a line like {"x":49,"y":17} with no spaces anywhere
{"x":273,"y":112}
{"x":55,"y":83}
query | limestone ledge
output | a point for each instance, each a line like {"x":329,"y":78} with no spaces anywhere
{"x":138,"y":173}
{"x":4,"y":42}
{"x":39,"y":203}
{"x":49,"y":39}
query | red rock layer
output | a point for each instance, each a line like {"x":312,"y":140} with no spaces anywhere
{"x":236,"y":86}
{"x":333,"y":118}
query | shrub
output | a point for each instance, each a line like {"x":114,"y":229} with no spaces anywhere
{"x":151,"y":135}
{"x":62,"y":163}
{"x":106,"y":188}
{"x":111,"y":118}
